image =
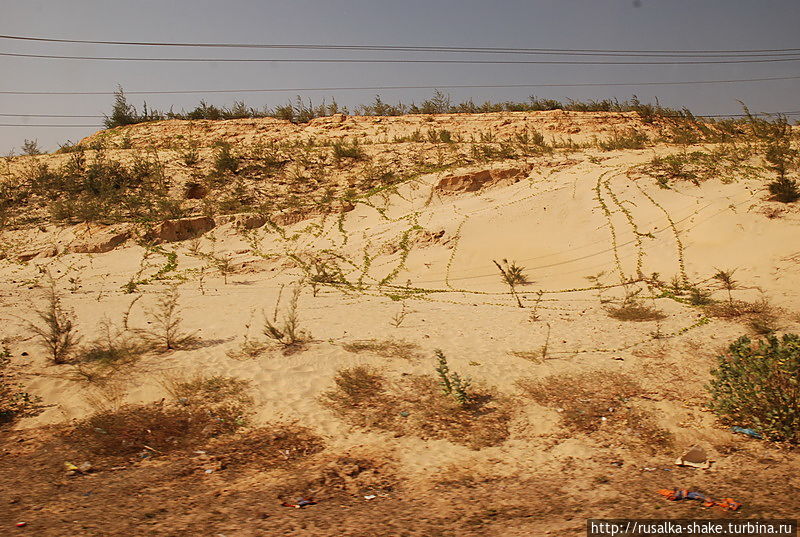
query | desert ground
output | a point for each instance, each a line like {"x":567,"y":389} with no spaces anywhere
{"x":264,"y":312}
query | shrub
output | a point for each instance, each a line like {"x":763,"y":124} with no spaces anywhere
{"x":225,"y":161}
{"x":343,"y":150}
{"x":757,"y":385}
{"x":785,"y":190}
{"x":356,"y":386}
{"x":452,"y":384}
{"x":56,"y":331}
{"x":631,"y":139}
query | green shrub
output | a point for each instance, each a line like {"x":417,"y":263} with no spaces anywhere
{"x":757,"y":385}
{"x":13,"y":402}
{"x":225,"y":160}
{"x":343,"y":150}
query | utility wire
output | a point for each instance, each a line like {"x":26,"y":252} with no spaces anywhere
{"x":407,"y":48}
{"x":48,"y":126}
{"x":393,"y":61}
{"x":380,"y":88}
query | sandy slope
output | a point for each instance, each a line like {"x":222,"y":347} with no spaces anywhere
{"x":551,"y":219}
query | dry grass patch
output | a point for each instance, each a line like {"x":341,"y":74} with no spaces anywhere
{"x":269,"y":446}
{"x":635,"y":311}
{"x":204,"y":408}
{"x":415,"y":405}
{"x":597,"y":400}
{"x":155,"y":428}
{"x":386,"y":348}
{"x":532,"y":356}
{"x":757,"y":314}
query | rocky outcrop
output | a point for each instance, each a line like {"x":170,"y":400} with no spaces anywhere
{"x":181,"y":229}
{"x":93,"y":240}
{"x":476,"y":180}
{"x":37,"y":252}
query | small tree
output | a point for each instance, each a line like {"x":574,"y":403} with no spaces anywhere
{"x":56,"y":331}
{"x":122,"y":113}
{"x":512,"y":275}
{"x":758,"y":385}
{"x":725,"y":278}
{"x":31,"y":147}
{"x":166,"y":320}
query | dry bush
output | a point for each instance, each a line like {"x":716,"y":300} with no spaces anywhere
{"x":595,"y":400}
{"x":165,"y":320}
{"x":386,"y":348}
{"x":56,"y":331}
{"x":287,"y":331}
{"x":415,"y":405}
{"x":155,"y":427}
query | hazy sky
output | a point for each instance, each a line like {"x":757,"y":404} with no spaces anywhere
{"x":590,"y":24}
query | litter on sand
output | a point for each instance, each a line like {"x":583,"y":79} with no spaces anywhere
{"x":300,"y":503}
{"x":696,"y":458}
{"x":748,"y":432}
{"x":729,"y":504}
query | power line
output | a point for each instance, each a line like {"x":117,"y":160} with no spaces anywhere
{"x":408,"y":48}
{"x":48,"y":126}
{"x":439,"y":86}
{"x":393,"y":61}
{"x":50,"y":115}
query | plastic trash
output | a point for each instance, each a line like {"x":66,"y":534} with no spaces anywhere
{"x":300,"y":503}
{"x":728,"y":504}
{"x":748,"y":432}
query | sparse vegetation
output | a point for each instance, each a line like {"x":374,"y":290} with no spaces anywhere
{"x":755,"y":385}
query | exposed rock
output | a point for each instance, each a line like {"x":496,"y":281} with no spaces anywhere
{"x":37,"y":252}
{"x":98,"y":241}
{"x":474,"y":181}
{"x":181,"y":229}
{"x":292,"y":217}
